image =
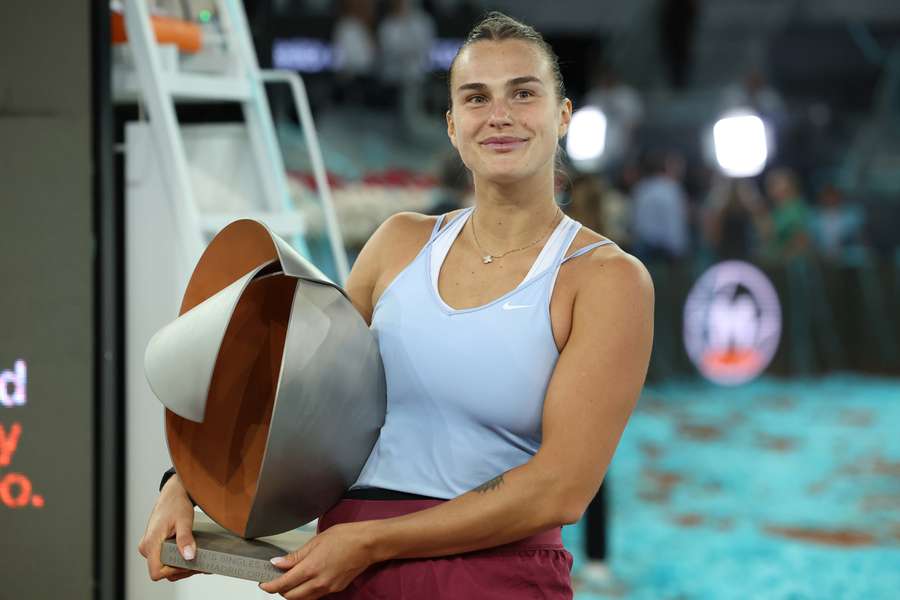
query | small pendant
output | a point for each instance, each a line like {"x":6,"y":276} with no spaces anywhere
{"x":487,"y":259}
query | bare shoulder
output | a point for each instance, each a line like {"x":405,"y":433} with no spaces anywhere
{"x":411,"y":227}
{"x":405,"y":225}
{"x":399,"y":235}
{"x":608,"y":270}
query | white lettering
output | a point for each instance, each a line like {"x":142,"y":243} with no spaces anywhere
{"x":15,"y":379}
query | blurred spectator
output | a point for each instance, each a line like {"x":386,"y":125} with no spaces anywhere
{"x":677,"y":22}
{"x":756,"y":93}
{"x":354,"y":47}
{"x":454,"y":186}
{"x":583,"y":205}
{"x":600,"y":207}
{"x":837,"y":226}
{"x":405,"y":37}
{"x":629,"y":176}
{"x":660,"y":217}
{"x":623,"y":107}
{"x":734,"y":218}
{"x":788,"y":230}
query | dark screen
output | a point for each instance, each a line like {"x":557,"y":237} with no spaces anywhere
{"x":46,"y":303}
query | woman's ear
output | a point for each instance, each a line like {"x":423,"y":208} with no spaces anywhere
{"x":451,"y":129}
{"x":565,"y":117}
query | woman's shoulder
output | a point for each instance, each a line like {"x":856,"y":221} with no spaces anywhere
{"x":606,"y":266}
{"x":408,"y":224}
{"x":403,"y":234}
{"x":413,"y":226}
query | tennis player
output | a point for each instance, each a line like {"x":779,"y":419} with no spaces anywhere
{"x":515,"y":344}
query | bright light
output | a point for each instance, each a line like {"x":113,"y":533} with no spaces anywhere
{"x":740,"y":144}
{"x":205,"y":16}
{"x":587,"y":135}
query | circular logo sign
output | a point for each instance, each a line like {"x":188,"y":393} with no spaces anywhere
{"x":732,"y":323}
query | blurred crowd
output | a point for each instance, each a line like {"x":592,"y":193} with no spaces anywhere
{"x":644,"y":201}
{"x":383,"y":61}
{"x":650,"y":213}
{"x":660,"y":201}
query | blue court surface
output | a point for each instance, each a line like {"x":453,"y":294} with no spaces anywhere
{"x":777,"y":489}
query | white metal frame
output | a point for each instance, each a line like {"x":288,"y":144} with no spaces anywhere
{"x":301,"y":103}
{"x":161,"y":89}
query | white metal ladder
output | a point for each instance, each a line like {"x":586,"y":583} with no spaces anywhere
{"x":162,"y":88}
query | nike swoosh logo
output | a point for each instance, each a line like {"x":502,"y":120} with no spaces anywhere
{"x":509,"y":306}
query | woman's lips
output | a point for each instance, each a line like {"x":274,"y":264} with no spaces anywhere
{"x":503,"y":144}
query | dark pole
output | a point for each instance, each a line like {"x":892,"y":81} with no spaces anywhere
{"x":109,"y":406}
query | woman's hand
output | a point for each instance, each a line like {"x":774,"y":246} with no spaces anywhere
{"x":326,"y":564}
{"x":173,"y":514}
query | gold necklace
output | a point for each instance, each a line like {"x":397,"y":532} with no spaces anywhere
{"x":487,"y":258}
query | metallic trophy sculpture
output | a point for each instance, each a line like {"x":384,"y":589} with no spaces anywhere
{"x":273,"y":385}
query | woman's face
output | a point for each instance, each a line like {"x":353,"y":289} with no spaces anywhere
{"x":506,"y":119}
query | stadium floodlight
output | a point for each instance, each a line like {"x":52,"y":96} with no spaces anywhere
{"x":741,"y":145}
{"x":586,"y":139}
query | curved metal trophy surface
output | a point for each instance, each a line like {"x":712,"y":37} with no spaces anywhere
{"x":272,"y":382}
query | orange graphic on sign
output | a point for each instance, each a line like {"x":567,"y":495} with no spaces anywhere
{"x":8,"y":443}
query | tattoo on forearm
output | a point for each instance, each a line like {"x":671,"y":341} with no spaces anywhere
{"x":487,"y":486}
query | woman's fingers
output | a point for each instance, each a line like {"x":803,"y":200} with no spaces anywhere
{"x":184,"y":537}
{"x":292,"y":558}
{"x":287,"y":581}
{"x":151,"y":551}
{"x":171,"y":517}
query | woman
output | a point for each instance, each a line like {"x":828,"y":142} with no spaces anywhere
{"x":515,"y":344}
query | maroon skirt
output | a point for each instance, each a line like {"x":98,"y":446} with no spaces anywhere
{"x":536,"y":567}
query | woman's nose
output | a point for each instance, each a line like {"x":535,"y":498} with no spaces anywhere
{"x":500,"y":114}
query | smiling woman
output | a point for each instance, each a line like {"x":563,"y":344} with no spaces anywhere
{"x":506,"y":97}
{"x":515,"y":344}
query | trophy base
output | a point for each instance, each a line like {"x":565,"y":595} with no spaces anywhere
{"x":221,"y":552}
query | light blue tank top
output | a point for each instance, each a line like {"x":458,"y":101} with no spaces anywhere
{"x":465,"y":388}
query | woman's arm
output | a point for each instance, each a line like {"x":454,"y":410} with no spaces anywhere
{"x":594,"y":388}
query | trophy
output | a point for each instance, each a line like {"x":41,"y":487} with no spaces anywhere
{"x":274,"y":393}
